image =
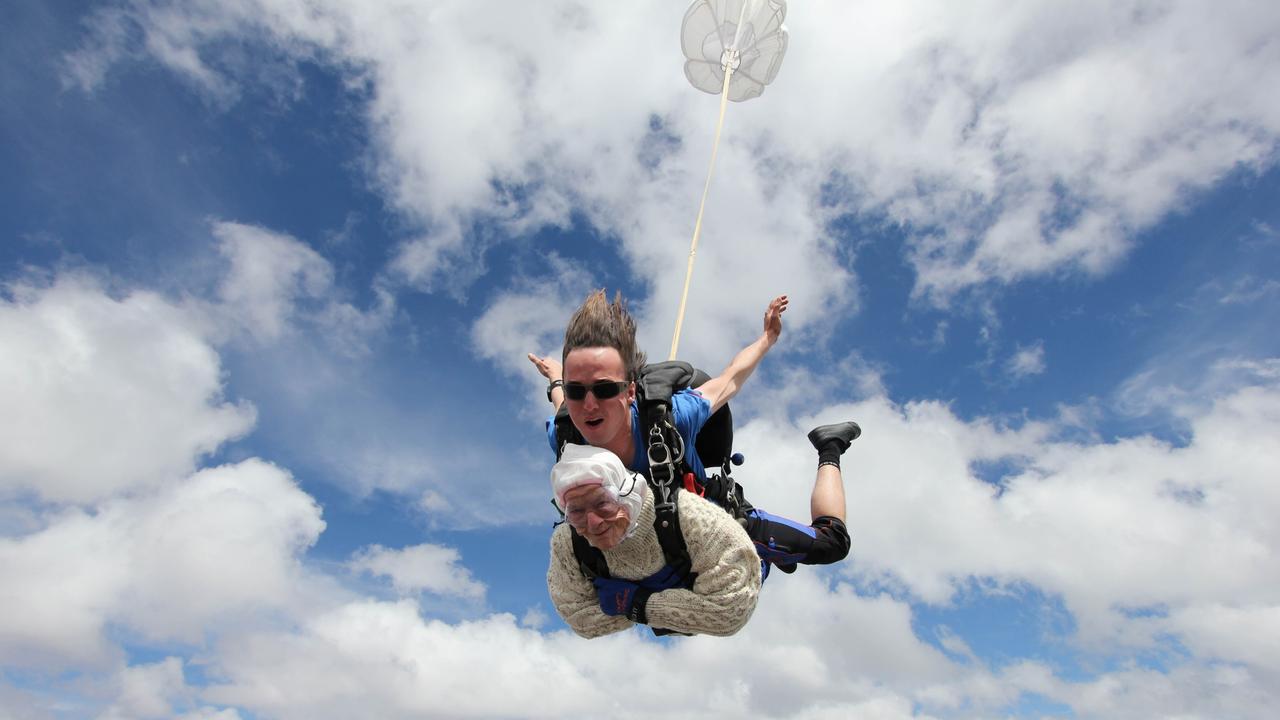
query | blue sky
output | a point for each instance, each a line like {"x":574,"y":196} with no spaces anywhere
{"x":271,"y":447}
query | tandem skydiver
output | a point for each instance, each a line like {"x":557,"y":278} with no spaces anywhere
{"x":597,"y":383}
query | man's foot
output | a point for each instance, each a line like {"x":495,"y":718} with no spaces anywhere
{"x":838,"y":436}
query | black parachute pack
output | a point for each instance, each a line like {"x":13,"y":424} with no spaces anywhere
{"x":669,"y":469}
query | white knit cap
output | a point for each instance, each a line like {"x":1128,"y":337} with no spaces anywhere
{"x":587,"y":465}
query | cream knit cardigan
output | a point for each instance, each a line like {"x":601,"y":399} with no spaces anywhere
{"x":723,"y":596}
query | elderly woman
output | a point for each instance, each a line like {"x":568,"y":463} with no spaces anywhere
{"x":612,"y":509}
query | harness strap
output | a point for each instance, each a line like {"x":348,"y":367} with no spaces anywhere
{"x":664,"y":463}
{"x":566,"y":432}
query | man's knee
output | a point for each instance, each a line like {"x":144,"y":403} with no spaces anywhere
{"x":832,"y":542}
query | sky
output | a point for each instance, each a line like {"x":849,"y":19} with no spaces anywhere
{"x":270,"y":446}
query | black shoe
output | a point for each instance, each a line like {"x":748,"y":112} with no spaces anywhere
{"x":842,"y":434}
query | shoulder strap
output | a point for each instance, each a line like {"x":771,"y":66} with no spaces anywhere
{"x":565,"y":431}
{"x":661,"y":380}
{"x":714,"y":443}
{"x":665,"y":450}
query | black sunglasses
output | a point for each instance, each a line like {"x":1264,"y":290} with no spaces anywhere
{"x":603,"y":390}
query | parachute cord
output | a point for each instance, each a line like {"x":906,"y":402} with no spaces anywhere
{"x":742,"y":14}
{"x":697,"y":227}
{"x":731,"y":61}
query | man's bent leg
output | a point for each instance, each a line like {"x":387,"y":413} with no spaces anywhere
{"x":785,"y":542}
{"x":828,"y":494}
{"x":828,"y":489}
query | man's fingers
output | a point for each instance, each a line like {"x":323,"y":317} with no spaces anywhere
{"x":540,"y":364}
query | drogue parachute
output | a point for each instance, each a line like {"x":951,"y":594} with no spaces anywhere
{"x":745,"y":37}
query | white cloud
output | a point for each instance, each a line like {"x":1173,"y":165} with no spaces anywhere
{"x":148,"y":691}
{"x":382,"y":659}
{"x":220,"y":548}
{"x":1079,"y":164}
{"x":1026,"y":361}
{"x":269,"y":273}
{"x":1178,"y":383}
{"x":810,"y":647}
{"x":535,"y":618}
{"x":1125,"y":523}
{"x":1249,"y":290}
{"x":107,"y":45}
{"x":798,"y":390}
{"x":209,"y":713}
{"x":1108,"y":527}
{"x":418,"y":568}
{"x":530,"y":318}
{"x":813,"y":649}
{"x":20,"y":703}
{"x":1242,"y":632}
{"x":1009,"y":142}
{"x":276,"y":286}
{"x":104,"y":394}
{"x":1004,"y":158}
{"x":420,"y":455}
{"x":519,"y":144}
{"x":1194,"y":691}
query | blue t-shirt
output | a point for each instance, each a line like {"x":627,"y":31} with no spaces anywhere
{"x":690,"y":411}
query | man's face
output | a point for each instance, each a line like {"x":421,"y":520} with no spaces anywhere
{"x":596,"y":515}
{"x":603,"y":423}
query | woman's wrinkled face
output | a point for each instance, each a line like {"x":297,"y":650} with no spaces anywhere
{"x":596,"y":515}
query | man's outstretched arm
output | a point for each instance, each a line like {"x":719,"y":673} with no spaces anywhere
{"x":719,"y":390}
{"x":549,"y":368}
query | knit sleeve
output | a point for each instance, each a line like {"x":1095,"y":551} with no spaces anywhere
{"x":573,"y":594}
{"x":728,"y":584}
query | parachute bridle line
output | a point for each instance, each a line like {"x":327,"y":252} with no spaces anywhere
{"x":697,"y":226}
{"x":730,"y":62}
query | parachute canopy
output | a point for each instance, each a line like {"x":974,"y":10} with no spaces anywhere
{"x":746,"y":36}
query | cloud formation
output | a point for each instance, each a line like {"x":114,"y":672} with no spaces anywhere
{"x":420,"y":568}
{"x":276,"y":286}
{"x":105,"y":394}
{"x":221,"y":547}
{"x":1141,"y":539}
{"x":217,"y":560}
{"x":1003,"y":157}
{"x":384,"y":658}
{"x":1007,"y":144}
{"x":1026,"y":361}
